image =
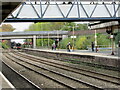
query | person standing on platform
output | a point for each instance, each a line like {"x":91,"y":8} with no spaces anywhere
{"x":53,"y":46}
{"x":92,"y":45}
{"x":69,"y":47}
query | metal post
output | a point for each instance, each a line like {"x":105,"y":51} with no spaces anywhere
{"x":58,"y":39}
{"x":48,"y":40}
{"x":112,"y":42}
{"x":95,"y":41}
{"x":112,"y":47}
{"x":119,"y":42}
{"x":34,"y":41}
{"x":42,"y":40}
{"x":73,"y":38}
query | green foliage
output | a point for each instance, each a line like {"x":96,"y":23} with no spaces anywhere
{"x":82,"y":27}
{"x":64,"y":43}
{"x":117,"y":37}
{"x":4,"y":45}
{"x":46,"y":26}
{"x":44,"y":42}
{"x":39,"y":42}
{"x":98,"y":34}
{"x":81,"y":42}
{"x":50,"y":26}
{"x":103,"y":40}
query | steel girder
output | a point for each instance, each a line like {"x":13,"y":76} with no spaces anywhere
{"x":62,"y":11}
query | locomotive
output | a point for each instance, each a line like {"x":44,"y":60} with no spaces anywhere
{"x":18,"y":46}
{"x":15,"y":45}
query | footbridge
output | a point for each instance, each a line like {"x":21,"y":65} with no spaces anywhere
{"x":34,"y":35}
{"x":66,"y":10}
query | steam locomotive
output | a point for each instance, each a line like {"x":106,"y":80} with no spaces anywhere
{"x":16,"y":45}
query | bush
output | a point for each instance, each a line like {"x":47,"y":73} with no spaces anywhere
{"x":103,"y":40}
{"x":64,"y":43}
{"x":81,"y":42}
{"x":45,"y":42}
{"x":117,"y":38}
{"x":5,"y":46}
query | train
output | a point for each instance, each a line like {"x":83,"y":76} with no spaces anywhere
{"x":16,"y":45}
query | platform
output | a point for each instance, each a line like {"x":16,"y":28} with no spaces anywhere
{"x":4,"y":83}
{"x":78,"y":56}
{"x":106,"y":54}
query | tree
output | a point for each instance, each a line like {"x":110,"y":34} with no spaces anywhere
{"x":64,"y":42}
{"x":81,"y":27}
{"x":50,"y":26}
{"x":7,"y":28}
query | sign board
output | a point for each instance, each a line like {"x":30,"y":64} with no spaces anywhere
{"x":73,"y":36}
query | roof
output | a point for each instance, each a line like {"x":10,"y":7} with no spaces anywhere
{"x":7,"y":8}
{"x":87,"y":32}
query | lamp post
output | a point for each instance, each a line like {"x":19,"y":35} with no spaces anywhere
{"x":74,"y":35}
{"x":42,"y":41}
{"x":42,"y":35}
{"x":58,"y":40}
{"x":48,"y":40}
{"x":73,"y":38}
{"x":112,"y":37}
{"x":95,"y":41}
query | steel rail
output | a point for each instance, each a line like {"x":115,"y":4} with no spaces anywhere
{"x":83,"y":82}
{"x":64,"y":84}
{"x":51,"y":63}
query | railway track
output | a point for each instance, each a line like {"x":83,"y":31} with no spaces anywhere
{"x":100,"y":76}
{"x":40,"y":73}
{"x":58,"y":77}
{"x":61,"y":66}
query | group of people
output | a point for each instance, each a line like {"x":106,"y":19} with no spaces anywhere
{"x":69,"y":46}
